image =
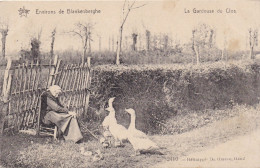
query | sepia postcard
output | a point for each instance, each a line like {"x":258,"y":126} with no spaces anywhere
{"x":130,"y":83}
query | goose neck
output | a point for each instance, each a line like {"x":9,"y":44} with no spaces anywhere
{"x":132,"y":124}
{"x":112,"y":113}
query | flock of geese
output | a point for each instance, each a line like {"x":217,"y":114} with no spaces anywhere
{"x":139,"y":140}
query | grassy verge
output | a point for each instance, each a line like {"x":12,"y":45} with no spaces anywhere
{"x":31,"y":151}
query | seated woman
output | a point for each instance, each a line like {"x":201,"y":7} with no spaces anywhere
{"x":53,"y":112}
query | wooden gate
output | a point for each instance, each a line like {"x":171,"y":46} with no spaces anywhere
{"x":24,"y":83}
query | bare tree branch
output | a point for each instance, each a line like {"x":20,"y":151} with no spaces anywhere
{"x":124,"y":8}
{"x":83,"y":31}
{"x":139,"y":6}
{"x":76,"y":33}
{"x":119,"y":43}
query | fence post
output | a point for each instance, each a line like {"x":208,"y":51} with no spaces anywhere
{"x":88,"y":86}
{"x":53,"y":70}
{"x":6,"y":95}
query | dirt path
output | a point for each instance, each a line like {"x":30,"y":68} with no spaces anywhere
{"x":223,"y":140}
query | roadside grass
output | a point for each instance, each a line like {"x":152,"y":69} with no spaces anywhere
{"x":30,"y":151}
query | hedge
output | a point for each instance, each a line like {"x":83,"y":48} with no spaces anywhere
{"x":159,"y":92}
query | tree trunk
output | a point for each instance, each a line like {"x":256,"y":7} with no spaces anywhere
{"x":252,"y":53}
{"x":113,"y":44}
{"x":99,"y":43}
{"x":109,"y":44}
{"x":89,"y":47}
{"x":222,"y":55}
{"x":119,"y":46}
{"x":140,"y":43}
{"x":126,"y":44}
{"x":197,"y":55}
{"x":52,"y":42}
{"x":155,"y":42}
{"x":166,"y":40}
{"x":134,"y":36}
{"x":148,"y":35}
{"x":85,"y":47}
{"x":3,"y":46}
{"x":4,"y":34}
{"x":89,"y":42}
{"x":84,"y":55}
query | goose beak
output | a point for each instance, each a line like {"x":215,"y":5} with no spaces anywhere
{"x":108,"y":109}
{"x":110,"y":101}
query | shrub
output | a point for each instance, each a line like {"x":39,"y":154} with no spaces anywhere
{"x":159,"y":92}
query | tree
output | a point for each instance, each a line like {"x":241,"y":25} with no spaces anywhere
{"x":253,"y":41}
{"x":155,"y":42}
{"x":35,"y":49}
{"x":83,"y":31}
{"x":223,"y":50}
{"x":166,"y":41}
{"x":134,"y":36}
{"x":99,"y":43}
{"x":113,"y":43}
{"x":202,"y":38}
{"x":32,"y":54}
{"x":125,"y":11}
{"x":109,"y":43}
{"x":148,"y":39}
{"x":53,"y":33}
{"x":35,"y":46}
{"x":4,"y":28}
{"x":89,"y":42}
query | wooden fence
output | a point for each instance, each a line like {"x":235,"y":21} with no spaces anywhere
{"x":24,"y":83}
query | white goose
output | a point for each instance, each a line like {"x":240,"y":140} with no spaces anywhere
{"x":118,"y":131}
{"x":139,"y":140}
{"x":110,"y":119}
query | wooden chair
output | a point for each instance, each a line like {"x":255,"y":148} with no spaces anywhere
{"x":43,"y":129}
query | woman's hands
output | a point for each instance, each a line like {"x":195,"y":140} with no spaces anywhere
{"x":73,"y":114}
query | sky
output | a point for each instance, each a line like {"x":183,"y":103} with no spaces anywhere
{"x":160,"y":17}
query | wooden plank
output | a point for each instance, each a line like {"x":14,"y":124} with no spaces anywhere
{"x":26,"y":97}
{"x":67,"y":87}
{"x":19,"y":111}
{"x":16,"y":95}
{"x":84,"y":87}
{"x":6,"y":95}
{"x":6,"y":76}
{"x":49,"y":72}
{"x":69,"y":77}
{"x":79,"y":90}
{"x":30,"y":94}
{"x":65,"y":73}
{"x":88,"y":86}
{"x":23,"y":96}
{"x":56,"y":72}
{"x":73,"y":86}
{"x":61,"y":83}
{"x":59,"y":74}
{"x":52,"y":71}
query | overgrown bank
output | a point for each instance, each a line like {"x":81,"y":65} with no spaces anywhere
{"x":158,"y":93}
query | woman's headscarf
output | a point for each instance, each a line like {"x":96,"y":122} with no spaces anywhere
{"x":54,"y":89}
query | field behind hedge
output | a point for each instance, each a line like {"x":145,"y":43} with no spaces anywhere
{"x":163,"y":92}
